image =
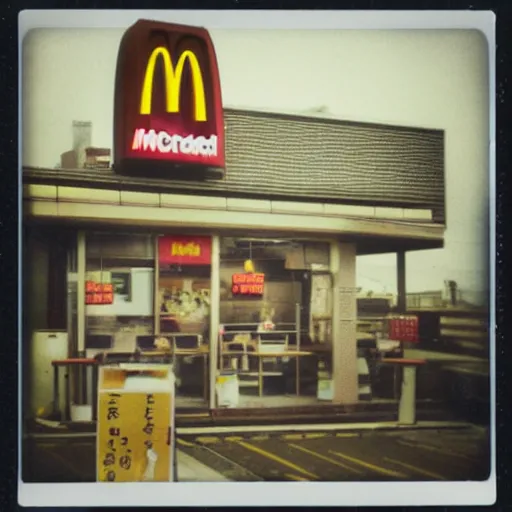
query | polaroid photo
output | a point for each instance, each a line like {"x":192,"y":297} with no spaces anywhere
{"x":258,"y":253}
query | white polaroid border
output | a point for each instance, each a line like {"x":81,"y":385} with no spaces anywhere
{"x":270,"y":493}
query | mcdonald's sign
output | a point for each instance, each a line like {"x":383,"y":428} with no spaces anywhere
{"x":168,"y":117}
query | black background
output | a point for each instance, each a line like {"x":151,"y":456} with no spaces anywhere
{"x":9,"y":203}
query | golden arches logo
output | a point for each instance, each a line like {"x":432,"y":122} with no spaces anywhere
{"x":173,"y":83}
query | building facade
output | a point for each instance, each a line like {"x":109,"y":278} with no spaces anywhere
{"x":246,"y":276}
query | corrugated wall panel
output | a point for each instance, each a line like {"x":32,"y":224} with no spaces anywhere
{"x":314,"y":158}
{"x":271,"y":156}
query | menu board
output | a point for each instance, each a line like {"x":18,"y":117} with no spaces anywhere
{"x":134,"y":438}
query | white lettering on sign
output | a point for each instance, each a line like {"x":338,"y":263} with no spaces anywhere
{"x":162,"y":142}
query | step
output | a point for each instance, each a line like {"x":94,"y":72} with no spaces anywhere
{"x":265,"y":373}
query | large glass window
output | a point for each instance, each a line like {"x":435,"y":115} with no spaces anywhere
{"x":151,"y":293}
{"x":275,"y":315}
{"x":184,"y":282}
{"x":119,"y":279}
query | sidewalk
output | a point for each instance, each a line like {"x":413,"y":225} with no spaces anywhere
{"x":68,"y":458}
{"x":191,"y":470}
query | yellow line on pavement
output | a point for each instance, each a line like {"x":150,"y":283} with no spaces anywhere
{"x":260,"y":438}
{"x":292,"y":437}
{"x":276,"y":458}
{"x":414,"y":469}
{"x":315,"y":435}
{"x":233,"y":439}
{"x":295,"y":477}
{"x":368,"y":465}
{"x":323,"y":457}
{"x":436,"y":449}
{"x":208,"y":439}
{"x":184,"y":443}
{"x":346,"y":434}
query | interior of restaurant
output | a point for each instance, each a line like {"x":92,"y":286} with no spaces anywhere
{"x":288,"y":312}
{"x":274,"y":314}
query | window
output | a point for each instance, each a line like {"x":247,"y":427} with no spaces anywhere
{"x":275,"y":298}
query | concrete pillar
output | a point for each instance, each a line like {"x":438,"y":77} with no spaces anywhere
{"x":407,"y":406}
{"x":214,"y":316}
{"x":402,"y":291}
{"x":156,"y":289}
{"x":81,"y":270}
{"x":344,"y":345}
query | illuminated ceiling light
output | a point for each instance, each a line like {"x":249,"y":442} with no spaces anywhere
{"x":248,"y":264}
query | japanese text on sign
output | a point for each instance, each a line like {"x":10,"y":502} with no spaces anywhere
{"x":248,"y":284}
{"x":404,"y":329}
{"x":118,"y":454}
{"x":99,"y":293}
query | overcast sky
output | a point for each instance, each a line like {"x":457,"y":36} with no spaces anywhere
{"x":432,"y":79}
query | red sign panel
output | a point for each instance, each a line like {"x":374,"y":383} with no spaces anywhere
{"x":99,"y":293}
{"x":176,"y":250}
{"x":168,"y":108}
{"x":248,"y":284}
{"x":404,"y":328}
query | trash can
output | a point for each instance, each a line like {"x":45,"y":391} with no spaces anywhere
{"x":135,"y":431}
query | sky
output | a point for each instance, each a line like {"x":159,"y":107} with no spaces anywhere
{"x":425,"y":78}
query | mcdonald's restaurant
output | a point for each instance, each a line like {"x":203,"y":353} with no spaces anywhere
{"x":224,"y":238}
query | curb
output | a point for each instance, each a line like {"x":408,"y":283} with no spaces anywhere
{"x":358,"y":427}
{"x":256,"y":429}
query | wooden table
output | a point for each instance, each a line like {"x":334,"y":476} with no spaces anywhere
{"x":261,"y":354}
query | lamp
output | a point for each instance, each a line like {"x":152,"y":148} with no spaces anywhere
{"x":248,"y":264}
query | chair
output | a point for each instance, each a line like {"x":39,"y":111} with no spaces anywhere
{"x":267,"y":365}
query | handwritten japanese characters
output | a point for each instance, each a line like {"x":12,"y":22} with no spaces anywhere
{"x":133,"y":436}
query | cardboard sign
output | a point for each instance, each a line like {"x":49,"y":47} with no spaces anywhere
{"x":248,"y":284}
{"x":168,"y":113}
{"x":134,"y":436}
{"x":180,"y":250}
{"x":404,"y":329}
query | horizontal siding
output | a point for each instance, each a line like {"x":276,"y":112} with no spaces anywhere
{"x":352,"y":162}
{"x":342,"y":164}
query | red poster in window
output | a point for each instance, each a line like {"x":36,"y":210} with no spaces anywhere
{"x":98,"y":293}
{"x":248,"y":284}
{"x":180,"y":250}
{"x":404,"y":328}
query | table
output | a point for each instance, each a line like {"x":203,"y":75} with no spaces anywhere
{"x":83,"y":363}
{"x":69,"y":363}
{"x":407,"y":405}
{"x":261,"y":354}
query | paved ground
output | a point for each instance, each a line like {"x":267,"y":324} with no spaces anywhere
{"x":459,"y":454}
{"x":73,"y":460}
{"x":344,"y":456}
